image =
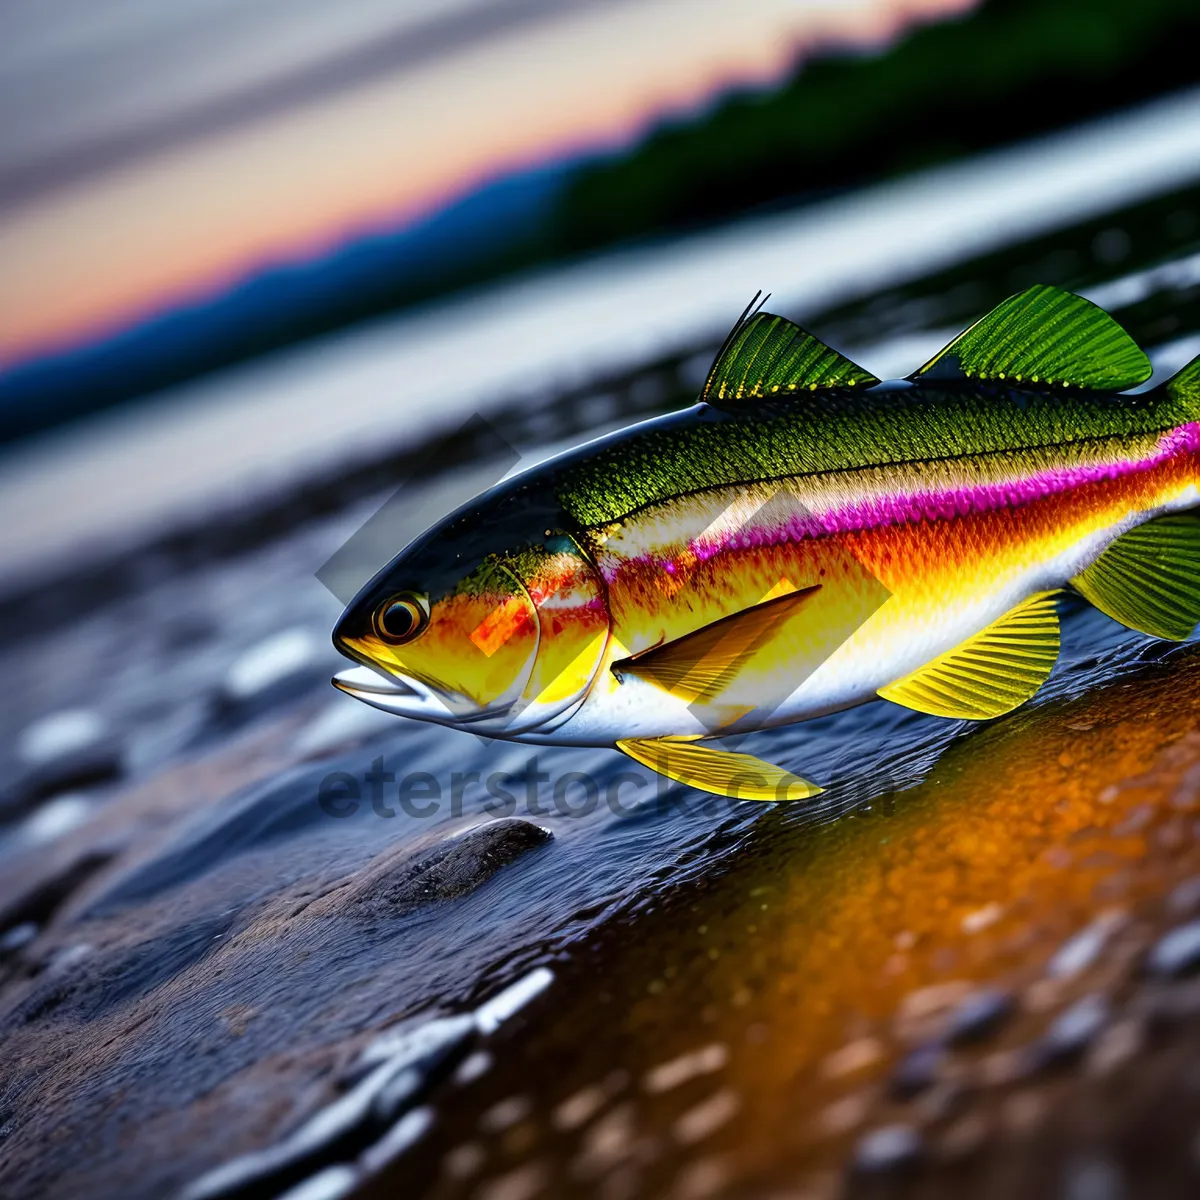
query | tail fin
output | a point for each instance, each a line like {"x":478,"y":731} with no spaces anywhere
{"x":1149,"y":578}
{"x":1185,"y":387}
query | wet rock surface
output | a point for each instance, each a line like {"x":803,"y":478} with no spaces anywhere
{"x":451,"y":870}
{"x":1177,"y":952}
{"x":376,"y":1120}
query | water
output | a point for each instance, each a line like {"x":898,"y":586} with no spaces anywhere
{"x":222,"y":934}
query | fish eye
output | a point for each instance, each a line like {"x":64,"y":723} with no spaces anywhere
{"x":401,"y":618}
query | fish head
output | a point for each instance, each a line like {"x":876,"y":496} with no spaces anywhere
{"x":482,"y":623}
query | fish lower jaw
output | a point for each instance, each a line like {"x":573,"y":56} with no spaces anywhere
{"x":414,"y":699}
{"x":385,"y":692}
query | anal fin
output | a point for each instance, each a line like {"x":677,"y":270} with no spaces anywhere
{"x":1149,"y":578}
{"x":721,"y":772}
{"x":991,"y":673}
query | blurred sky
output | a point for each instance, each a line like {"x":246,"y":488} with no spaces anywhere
{"x":155,"y":151}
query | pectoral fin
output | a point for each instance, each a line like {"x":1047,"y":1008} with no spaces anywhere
{"x":701,"y":665}
{"x":991,"y":673}
{"x":1149,"y":578}
{"x":721,"y":772}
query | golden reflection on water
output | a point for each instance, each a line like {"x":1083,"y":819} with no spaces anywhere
{"x":823,"y":954}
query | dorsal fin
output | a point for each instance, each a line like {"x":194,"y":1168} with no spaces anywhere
{"x":765,"y":356}
{"x":1044,"y":337}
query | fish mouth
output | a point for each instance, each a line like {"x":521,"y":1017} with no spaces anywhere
{"x":404,"y":697}
{"x":407,"y":697}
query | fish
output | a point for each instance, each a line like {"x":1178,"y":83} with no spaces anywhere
{"x":803,"y":539}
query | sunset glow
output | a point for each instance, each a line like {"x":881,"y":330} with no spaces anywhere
{"x":112,"y":248}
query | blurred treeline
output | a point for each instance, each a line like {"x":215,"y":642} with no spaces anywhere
{"x":1010,"y":69}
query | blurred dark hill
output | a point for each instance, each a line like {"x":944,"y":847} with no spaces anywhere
{"x":1010,"y":69}
{"x":480,"y":236}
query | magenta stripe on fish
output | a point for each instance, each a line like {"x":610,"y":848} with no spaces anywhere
{"x":939,"y":504}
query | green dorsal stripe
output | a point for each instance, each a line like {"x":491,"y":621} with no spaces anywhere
{"x":852,"y":429}
{"x":766,"y":356}
{"x":1044,"y":337}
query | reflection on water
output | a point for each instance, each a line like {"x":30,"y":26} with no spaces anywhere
{"x":817,"y":960}
{"x":734,"y":983}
